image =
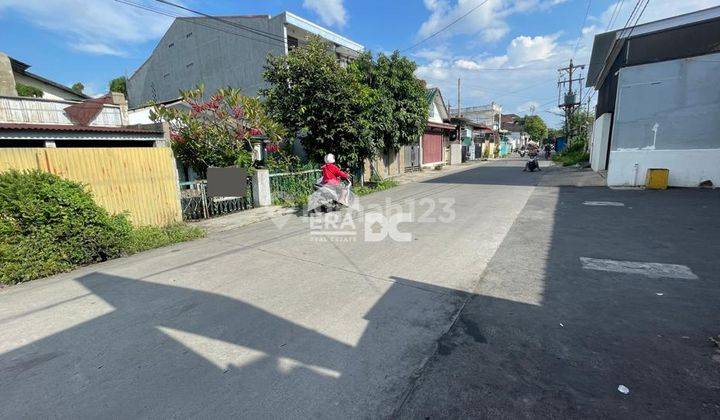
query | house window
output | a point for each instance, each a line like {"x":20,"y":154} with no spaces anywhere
{"x":432,"y":110}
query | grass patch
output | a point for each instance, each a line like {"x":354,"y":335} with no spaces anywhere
{"x":371,"y":187}
{"x":148,"y":237}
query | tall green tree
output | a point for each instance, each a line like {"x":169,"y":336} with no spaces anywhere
{"x":118,"y":84}
{"x":320,"y":102}
{"x":578,"y":125}
{"x":78,"y":87}
{"x":535,"y":127}
{"x":400,"y":112}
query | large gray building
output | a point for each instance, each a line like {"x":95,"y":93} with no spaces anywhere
{"x":216,"y":53}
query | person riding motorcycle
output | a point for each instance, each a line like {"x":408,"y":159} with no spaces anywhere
{"x":533,"y":149}
{"x":332,"y":177}
{"x":331,"y":174}
{"x":533,"y":152}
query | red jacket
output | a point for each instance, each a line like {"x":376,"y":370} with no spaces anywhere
{"x":332,"y":174}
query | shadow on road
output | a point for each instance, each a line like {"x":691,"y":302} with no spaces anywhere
{"x":542,"y":337}
{"x":167,"y":351}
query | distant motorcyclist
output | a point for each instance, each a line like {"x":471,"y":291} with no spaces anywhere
{"x":533,"y":149}
{"x":532,"y":163}
{"x":548,"y":149}
{"x":522,"y":151}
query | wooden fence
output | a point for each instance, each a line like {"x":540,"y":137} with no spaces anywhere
{"x":142,"y":181}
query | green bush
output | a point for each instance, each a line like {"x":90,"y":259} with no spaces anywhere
{"x":574,"y":153}
{"x":49,"y":225}
{"x":148,"y":237}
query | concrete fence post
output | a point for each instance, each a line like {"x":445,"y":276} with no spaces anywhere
{"x":261,"y":188}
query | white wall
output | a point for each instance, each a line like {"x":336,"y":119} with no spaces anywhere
{"x":688,"y":168}
{"x":435,"y":115}
{"x":599,"y":142}
{"x":140,"y":116}
{"x":666,"y":116}
{"x":455,"y":154}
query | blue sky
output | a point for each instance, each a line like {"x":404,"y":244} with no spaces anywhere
{"x":506,"y":51}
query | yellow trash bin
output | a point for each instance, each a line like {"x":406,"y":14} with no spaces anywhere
{"x":657,"y":179}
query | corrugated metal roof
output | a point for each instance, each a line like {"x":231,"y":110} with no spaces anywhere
{"x":430,"y":95}
{"x":144,"y":129}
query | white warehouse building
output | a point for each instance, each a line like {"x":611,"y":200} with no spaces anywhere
{"x":658,"y":101}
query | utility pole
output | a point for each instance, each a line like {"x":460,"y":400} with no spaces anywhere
{"x":458,"y":99}
{"x":569,"y":101}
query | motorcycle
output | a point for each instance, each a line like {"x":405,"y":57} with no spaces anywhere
{"x":533,"y":163}
{"x":327,"y":198}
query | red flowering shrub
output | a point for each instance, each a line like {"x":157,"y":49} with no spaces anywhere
{"x":217,"y":131}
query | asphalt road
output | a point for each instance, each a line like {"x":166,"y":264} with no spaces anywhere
{"x":293,"y":318}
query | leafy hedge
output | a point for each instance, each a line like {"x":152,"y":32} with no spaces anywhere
{"x":50,"y":225}
{"x":573,"y":153}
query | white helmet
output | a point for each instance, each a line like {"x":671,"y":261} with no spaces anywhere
{"x":329,"y":158}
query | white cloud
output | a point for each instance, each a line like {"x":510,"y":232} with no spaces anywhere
{"x":467,"y":64}
{"x":524,"y":49}
{"x":97,"y":27}
{"x":434,"y":73}
{"x":489,"y":20}
{"x":97,"y":48}
{"x":331,"y":12}
{"x":525,"y":75}
{"x":433,"y":53}
{"x":531,"y":61}
{"x":483,"y":20}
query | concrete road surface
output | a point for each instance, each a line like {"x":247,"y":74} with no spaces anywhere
{"x":477,"y":293}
